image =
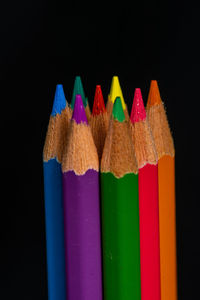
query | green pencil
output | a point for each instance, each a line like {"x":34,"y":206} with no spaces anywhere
{"x":120,"y":211}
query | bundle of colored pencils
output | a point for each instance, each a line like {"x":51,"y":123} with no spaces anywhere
{"x":109,"y":188}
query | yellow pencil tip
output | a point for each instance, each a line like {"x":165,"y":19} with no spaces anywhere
{"x":154,"y":94}
{"x":115,"y":91}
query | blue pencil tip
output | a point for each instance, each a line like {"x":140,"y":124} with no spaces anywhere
{"x":59,"y":100}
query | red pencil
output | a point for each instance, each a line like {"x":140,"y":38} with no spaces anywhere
{"x":99,"y":121}
{"x":148,"y":200}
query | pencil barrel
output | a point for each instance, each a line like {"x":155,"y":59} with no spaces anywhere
{"x":167,"y":220}
{"x":120,"y":237}
{"x":54,"y":222}
{"x":149,"y":232}
{"x":82,"y":235}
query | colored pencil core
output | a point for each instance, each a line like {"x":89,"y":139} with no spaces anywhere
{"x":59,"y":100}
{"x":79,"y":115}
{"x":118,"y":113}
{"x":116,"y":91}
{"x":78,"y":90}
{"x":138,"y":112}
{"x":154,"y":94}
{"x":98,"y":105}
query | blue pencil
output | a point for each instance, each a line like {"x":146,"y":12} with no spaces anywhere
{"x":52,"y":154}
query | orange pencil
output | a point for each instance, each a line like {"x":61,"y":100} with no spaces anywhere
{"x":166,"y":181}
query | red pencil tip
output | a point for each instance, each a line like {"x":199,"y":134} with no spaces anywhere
{"x":138,"y":112}
{"x":98,"y":105}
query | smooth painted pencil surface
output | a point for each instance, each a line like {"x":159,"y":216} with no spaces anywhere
{"x":148,"y":200}
{"x":79,"y":90}
{"x":99,"y":121}
{"x":80,"y":169}
{"x":116,"y":91}
{"x":52,"y":153}
{"x":120,"y":211}
{"x":166,"y":179}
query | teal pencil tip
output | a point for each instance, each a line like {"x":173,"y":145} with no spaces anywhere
{"x":78,"y":90}
{"x":118,"y":112}
{"x":59,"y":100}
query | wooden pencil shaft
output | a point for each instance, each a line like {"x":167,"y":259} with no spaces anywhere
{"x":167,"y":221}
{"x":82,"y":235}
{"x":120,"y":237}
{"x":149,"y":232}
{"x":54,"y":230}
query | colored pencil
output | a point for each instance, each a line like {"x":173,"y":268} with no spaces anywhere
{"x":99,"y":121}
{"x":52,"y":153}
{"x":148,"y":200}
{"x":80,"y":169}
{"x":166,"y":180}
{"x":120,"y":211}
{"x":116,"y":91}
{"x":78,"y":89}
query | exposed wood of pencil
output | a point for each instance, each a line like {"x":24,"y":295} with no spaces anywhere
{"x":118,"y":142}
{"x":109,"y":107}
{"x":56,"y":135}
{"x":80,"y":153}
{"x":88,"y":112}
{"x":144,"y":144}
{"x":99,"y":127}
{"x":157,"y":119}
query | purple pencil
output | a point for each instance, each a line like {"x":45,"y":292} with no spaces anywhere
{"x":80,"y":169}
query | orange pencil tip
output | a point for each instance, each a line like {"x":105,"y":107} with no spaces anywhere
{"x":154,"y":94}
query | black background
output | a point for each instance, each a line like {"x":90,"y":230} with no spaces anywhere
{"x":43,"y":44}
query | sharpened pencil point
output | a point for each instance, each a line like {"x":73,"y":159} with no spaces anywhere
{"x":59,"y":100}
{"x":79,"y":115}
{"x":138,"y":112}
{"x":154,"y":94}
{"x":98,"y":105}
{"x":118,"y":113}
{"x":115,"y":91}
{"x":78,"y":90}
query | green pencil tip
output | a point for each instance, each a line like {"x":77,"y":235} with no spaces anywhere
{"x":78,"y":90}
{"x":118,"y":113}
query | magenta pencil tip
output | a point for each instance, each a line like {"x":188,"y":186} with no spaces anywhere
{"x":79,"y":115}
{"x":138,"y":112}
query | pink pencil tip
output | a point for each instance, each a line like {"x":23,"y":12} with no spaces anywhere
{"x":138,"y":112}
